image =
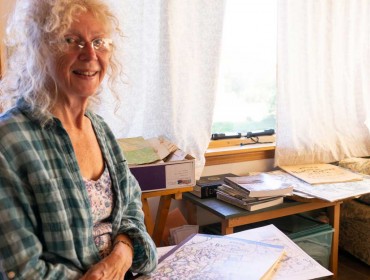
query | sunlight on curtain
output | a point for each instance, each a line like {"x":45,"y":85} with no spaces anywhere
{"x":170,"y":56}
{"x":323,"y":80}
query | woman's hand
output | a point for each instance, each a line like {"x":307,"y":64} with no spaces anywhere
{"x":114,"y":266}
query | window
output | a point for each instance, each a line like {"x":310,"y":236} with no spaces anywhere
{"x":247,"y":80}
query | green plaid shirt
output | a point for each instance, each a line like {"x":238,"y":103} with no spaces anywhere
{"x":45,"y":217}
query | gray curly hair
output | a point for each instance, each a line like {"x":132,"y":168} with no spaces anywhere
{"x":30,"y":28}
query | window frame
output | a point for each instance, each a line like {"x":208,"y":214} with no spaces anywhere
{"x":231,"y":151}
{"x":223,"y":126}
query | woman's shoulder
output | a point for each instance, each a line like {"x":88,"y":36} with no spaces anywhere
{"x":16,"y":126}
{"x":11,"y":119}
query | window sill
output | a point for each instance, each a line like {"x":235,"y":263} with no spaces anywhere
{"x":230,"y":152}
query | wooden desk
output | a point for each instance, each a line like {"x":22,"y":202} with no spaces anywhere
{"x":232,"y":216}
{"x":156,"y":229}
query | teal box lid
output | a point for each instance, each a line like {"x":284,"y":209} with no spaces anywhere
{"x":299,"y":224}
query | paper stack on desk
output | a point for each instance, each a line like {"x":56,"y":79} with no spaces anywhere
{"x":329,"y":192}
{"x":157,"y":163}
{"x":321,"y":173}
{"x":138,"y":150}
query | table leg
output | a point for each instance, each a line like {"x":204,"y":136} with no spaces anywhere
{"x":334,"y":218}
{"x":147,"y":216}
{"x":160,"y":221}
{"x":225,"y":229}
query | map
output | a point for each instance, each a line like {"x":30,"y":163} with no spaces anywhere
{"x":137,"y":150}
{"x":217,"y":257}
{"x":296,"y":264}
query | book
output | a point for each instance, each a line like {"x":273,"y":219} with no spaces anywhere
{"x":239,"y":194}
{"x":321,"y":173}
{"x":250,"y":205}
{"x":260,"y":185}
{"x":205,"y":256}
{"x":206,"y":186}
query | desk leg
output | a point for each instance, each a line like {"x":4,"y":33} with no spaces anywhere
{"x":334,"y":218}
{"x":160,"y":221}
{"x":147,"y":216}
{"x":225,"y":229}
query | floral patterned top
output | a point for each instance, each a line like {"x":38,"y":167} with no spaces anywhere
{"x":101,"y":201}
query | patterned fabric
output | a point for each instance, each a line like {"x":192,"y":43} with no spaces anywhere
{"x":354,"y":234}
{"x":361,"y":165}
{"x":180,"y":71}
{"x":101,"y":202}
{"x":46,"y":223}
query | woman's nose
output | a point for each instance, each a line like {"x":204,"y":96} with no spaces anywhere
{"x":88,"y":52}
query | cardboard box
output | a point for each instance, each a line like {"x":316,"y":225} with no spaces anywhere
{"x":167,"y":175}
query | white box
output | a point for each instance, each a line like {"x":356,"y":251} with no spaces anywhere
{"x":166,"y":175}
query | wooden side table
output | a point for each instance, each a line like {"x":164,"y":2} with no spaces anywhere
{"x":156,"y":229}
{"x":232,"y":216}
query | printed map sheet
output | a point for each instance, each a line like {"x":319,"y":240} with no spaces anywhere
{"x":296,"y":264}
{"x":217,"y":257}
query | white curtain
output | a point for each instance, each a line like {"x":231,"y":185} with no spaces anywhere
{"x":170,"y":56}
{"x":323,"y":102}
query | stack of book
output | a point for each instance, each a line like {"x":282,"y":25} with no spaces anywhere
{"x":254,"y":192}
{"x":206,"y":186}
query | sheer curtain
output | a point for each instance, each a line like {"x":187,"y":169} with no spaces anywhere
{"x":323,"y":102}
{"x":170,"y":56}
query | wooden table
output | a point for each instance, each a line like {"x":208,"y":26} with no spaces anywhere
{"x":156,"y":229}
{"x":232,"y":216}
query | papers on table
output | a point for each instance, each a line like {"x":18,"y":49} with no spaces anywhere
{"x":321,"y":173}
{"x":329,"y":192}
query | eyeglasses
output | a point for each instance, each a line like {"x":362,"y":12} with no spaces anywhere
{"x":99,"y":44}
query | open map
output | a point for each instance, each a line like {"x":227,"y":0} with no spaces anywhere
{"x":296,"y":264}
{"x":217,"y":257}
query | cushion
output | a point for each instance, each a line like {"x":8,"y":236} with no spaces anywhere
{"x":361,"y":165}
{"x":354,"y":233}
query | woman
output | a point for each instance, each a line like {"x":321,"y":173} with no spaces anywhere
{"x":69,"y":206}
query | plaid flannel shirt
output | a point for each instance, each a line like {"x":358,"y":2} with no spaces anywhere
{"x":45,"y":217}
